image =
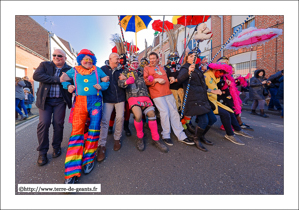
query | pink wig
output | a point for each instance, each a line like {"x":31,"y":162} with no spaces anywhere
{"x":221,"y":66}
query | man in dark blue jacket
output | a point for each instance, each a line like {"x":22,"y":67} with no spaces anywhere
{"x":273,"y":85}
{"x":113,"y":97}
{"x":51,"y":100}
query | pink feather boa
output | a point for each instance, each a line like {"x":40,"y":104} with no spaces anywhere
{"x":233,"y":90}
{"x":243,"y":81}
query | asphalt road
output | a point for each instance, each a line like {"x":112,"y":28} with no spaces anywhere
{"x":257,"y":168}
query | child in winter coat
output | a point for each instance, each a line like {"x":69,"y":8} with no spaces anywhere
{"x":20,"y":96}
{"x":29,"y":99}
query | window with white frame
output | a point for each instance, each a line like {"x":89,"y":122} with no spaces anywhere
{"x":247,"y":24}
{"x":243,"y":67}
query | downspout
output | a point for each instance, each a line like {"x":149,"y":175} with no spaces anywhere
{"x":211,"y":45}
{"x":221,"y":20}
{"x":50,"y":35}
{"x":276,"y":53}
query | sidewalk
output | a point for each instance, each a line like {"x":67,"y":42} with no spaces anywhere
{"x":248,"y":108}
{"x":34,"y":111}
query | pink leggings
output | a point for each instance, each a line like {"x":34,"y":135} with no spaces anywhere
{"x":153,"y":127}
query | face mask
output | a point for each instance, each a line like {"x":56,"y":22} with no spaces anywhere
{"x":134,"y":65}
{"x":218,"y":74}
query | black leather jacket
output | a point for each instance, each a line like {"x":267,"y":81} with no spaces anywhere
{"x":44,"y":74}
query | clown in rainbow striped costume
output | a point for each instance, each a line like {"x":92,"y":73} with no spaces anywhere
{"x":89,"y":81}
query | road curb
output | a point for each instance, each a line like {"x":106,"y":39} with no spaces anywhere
{"x":278,"y":113}
{"x":18,"y":126}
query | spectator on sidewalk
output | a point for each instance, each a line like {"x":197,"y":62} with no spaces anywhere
{"x":20,"y":96}
{"x":257,"y":83}
{"x":273,"y":85}
{"x":28,"y":83}
{"x":29,"y":99}
{"x":279,"y":94}
{"x":51,"y":101}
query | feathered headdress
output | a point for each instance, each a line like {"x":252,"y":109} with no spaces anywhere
{"x":145,"y":50}
{"x":133,"y":55}
{"x":116,"y":39}
{"x":173,"y":38}
{"x":144,"y":61}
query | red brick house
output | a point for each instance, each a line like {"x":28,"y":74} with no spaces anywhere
{"x":34,"y":44}
{"x":269,"y":56}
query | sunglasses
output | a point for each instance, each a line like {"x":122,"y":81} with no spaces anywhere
{"x":173,"y":58}
{"x":59,"y":56}
{"x":87,"y":59}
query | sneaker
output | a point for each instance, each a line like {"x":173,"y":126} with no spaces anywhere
{"x":23,"y":117}
{"x":187,"y":141}
{"x":244,"y":126}
{"x":245,"y":104}
{"x":71,"y":180}
{"x":140,"y":144}
{"x":243,"y":133}
{"x":168,"y":142}
{"x":88,"y":167}
{"x":272,"y":109}
{"x":160,"y":146}
{"x":234,"y":139}
{"x":101,"y":153}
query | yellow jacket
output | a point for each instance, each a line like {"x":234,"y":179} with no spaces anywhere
{"x":211,"y":82}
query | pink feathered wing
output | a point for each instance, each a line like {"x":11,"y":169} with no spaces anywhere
{"x":233,"y":90}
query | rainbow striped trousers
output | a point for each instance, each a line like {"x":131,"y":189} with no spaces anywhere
{"x":80,"y":153}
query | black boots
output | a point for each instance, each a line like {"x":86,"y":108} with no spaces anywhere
{"x":253,"y":112}
{"x":126,"y":128}
{"x":203,"y":139}
{"x":190,"y":127}
{"x":198,"y":134}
